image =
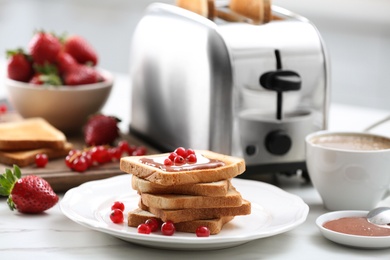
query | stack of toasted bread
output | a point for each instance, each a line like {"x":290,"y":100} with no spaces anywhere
{"x":188,"y":195}
{"x":22,"y":140}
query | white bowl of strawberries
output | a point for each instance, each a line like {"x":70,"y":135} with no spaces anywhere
{"x":57,"y":80}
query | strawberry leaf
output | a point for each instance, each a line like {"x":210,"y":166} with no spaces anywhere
{"x":17,"y":171}
{"x":8,"y":179}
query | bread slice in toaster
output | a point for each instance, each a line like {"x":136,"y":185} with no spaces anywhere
{"x":231,"y":167}
{"x":257,"y":10}
{"x":212,"y":189}
{"x":173,"y":201}
{"x":31,"y":133}
{"x":139,"y":216}
{"x":190,"y":214}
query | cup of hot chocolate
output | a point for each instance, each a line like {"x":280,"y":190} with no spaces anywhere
{"x":350,"y":170}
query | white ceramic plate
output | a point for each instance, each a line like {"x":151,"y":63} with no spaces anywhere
{"x":350,"y":240}
{"x":274,"y":211}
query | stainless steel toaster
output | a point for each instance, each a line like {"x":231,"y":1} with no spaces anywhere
{"x":253,"y":91}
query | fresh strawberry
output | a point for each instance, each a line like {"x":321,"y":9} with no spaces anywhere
{"x":65,"y":62}
{"x":46,"y":75}
{"x":43,"y":79}
{"x":30,"y":194}
{"x":44,"y":48}
{"x":81,"y":75}
{"x":101,"y":130}
{"x":81,"y":50}
{"x":19,"y":66}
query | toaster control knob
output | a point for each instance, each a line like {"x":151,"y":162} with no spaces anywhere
{"x":278,"y":142}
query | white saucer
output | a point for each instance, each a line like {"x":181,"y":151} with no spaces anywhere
{"x":350,"y":240}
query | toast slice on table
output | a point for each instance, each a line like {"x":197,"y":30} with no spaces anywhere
{"x":184,"y":215}
{"x":210,"y":167}
{"x":28,"y":134}
{"x":257,"y":10}
{"x":173,"y":201}
{"x":139,"y":216}
{"x":27,"y":157}
{"x":212,"y":189}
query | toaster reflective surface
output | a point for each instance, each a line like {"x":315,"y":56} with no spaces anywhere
{"x":196,"y":83}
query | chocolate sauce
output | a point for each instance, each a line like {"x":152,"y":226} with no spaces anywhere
{"x":201,"y":164}
{"x":356,"y":226}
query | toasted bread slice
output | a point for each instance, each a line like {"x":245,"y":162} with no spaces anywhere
{"x":28,"y":134}
{"x":169,"y":201}
{"x":139,"y":216}
{"x":184,"y":215}
{"x":197,"y":6}
{"x":25,"y":158}
{"x":257,"y":10}
{"x":232,"y":167}
{"x":211,"y":189}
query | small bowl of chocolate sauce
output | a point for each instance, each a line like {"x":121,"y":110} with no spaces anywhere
{"x":351,"y":228}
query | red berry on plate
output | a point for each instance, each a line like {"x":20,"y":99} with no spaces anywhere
{"x":101,"y":130}
{"x":118,"y":205}
{"x":181,"y":151}
{"x":116,"y":216}
{"x":202,"y":231}
{"x":41,"y":160}
{"x":168,"y":228}
{"x":143,"y":229}
{"x":153,"y":224}
{"x":115,"y":153}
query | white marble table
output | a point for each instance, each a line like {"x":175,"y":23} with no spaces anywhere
{"x":54,"y":236}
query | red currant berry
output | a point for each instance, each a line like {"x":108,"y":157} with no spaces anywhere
{"x":41,"y":160}
{"x":144,"y":229}
{"x":153,"y":224}
{"x":87,"y":156}
{"x":131,"y":149}
{"x":100,"y":154}
{"x":116,"y":216}
{"x":3,"y":108}
{"x":115,"y":153}
{"x":141,"y":150}
{"x":68,"y":161}
{"x":172,"y":156}
{"x":190,"y":151}
{"x":123,"y":146}
{"x":168,"y":228}
{"x":179,"y":160}
{"x":191,"y":158}
{"x":80,"y":164}
{"x":202,"y":231}
{"x":118,"y":205}
{"x":168,"y":162}
{"x":181,"y":151}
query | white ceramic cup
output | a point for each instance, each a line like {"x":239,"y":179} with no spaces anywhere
{"x":348,"y":178}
